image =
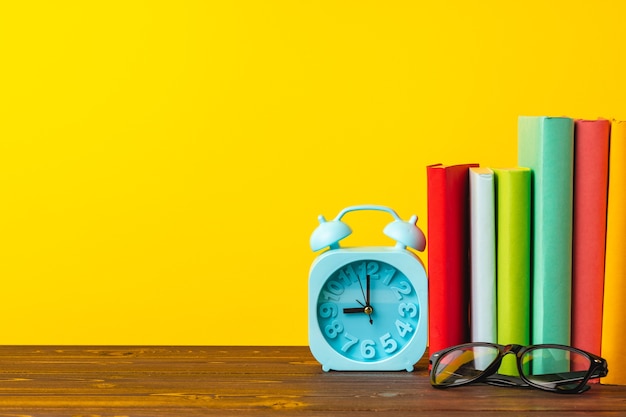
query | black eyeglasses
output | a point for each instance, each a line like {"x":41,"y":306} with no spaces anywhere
{"x":555,"y":368}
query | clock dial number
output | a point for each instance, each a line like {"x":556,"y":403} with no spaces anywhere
{"x":333,"y":290}
{"x":367,"y":349}
{"x":333,"y":329}
{"x":351,"y":341}
{"x":328,"y":310}
{"x":387,"y":275}
{"x":403,"y":328}
{"x":389,"y":345}
{"x":368,"y":268}
{"x":402,"y":289}
{"x":347,"y":275}
{"x":407,"y":308}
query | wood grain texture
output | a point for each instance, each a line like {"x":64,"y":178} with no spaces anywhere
{"x":228,"y":381}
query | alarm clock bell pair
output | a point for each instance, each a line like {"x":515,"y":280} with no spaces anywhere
{"x":368,"y":306}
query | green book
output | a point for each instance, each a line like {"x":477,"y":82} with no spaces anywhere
{"x":546,"y":146}
{"x":513,"y":260}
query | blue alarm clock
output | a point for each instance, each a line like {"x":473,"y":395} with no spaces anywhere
{"x":368,"y":306}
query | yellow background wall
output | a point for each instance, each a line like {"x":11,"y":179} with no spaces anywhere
{"x":162,"y":164}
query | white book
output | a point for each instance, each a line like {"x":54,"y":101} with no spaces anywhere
{"x":483,"y":302}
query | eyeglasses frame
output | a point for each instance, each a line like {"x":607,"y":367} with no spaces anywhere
{"x":598,"y":366}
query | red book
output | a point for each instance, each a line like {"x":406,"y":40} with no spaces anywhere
{"x":448,"y":255}
{"x":591,"y":173}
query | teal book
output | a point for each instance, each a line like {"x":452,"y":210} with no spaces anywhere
{"x":513,"y":259}
{"x":546,"y":146}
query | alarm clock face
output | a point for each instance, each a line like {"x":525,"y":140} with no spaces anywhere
{"x":368,"y":311}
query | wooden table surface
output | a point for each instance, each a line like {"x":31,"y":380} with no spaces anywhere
{"x":227,"y":381}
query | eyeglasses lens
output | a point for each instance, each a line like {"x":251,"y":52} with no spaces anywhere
{"x":463,"y":365}
{"x":556,"y":368}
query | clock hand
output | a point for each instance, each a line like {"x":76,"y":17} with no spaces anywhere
{"x":368,"y":307}
{"x":354,"y":310}
{"x":367,"y":310}
{"x":362,"y":292}
{"x":367,"y":294}
{"x":358,"y":310}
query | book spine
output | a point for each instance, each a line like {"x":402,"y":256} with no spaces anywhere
{"x":545,"y":145}
{"x":448,"y":255}
{"x":614,"y":318}
{"x":591,"y":167}
{"x":513,"y":260}
{"x":482,"y":255}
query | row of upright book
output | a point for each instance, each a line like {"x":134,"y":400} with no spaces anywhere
{"x":534,"y":253}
